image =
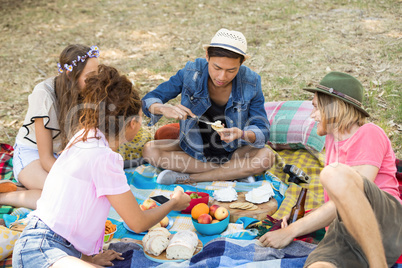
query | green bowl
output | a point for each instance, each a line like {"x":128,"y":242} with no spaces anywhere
{"x":108,"y":237}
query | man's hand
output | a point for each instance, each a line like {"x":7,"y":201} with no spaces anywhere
{"x":230,"y":134}
{"x":277,"y":239}
{"x":105,"y":258}
{"x":178,"y":112}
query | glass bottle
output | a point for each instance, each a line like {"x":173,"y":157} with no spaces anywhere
{"x":297,"y":211}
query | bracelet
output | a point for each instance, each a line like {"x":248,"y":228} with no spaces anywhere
{"x":242,"y":135}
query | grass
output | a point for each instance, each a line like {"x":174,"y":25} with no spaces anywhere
{"x":293,"y":44}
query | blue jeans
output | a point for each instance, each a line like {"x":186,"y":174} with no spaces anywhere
{"x":39,"y":246}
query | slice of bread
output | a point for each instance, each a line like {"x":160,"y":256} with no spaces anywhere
{"x":182,"y":246}
{"x":156,"y":241}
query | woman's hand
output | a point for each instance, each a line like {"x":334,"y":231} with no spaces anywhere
{"x":105,"y":258}
{"x":181,"y":199}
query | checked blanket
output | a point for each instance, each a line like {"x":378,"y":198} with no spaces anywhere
{"x":312,"y":166}
{"x":226,"y":252}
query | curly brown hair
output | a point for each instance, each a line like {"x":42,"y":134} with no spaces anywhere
{"x":67,"y":91}
{"x":110,"y":103}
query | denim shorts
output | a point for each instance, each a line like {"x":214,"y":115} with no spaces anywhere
{"x":23,"y":156}
{"x":39,"y":246}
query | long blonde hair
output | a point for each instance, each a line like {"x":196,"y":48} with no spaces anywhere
{"x":338,"y":114}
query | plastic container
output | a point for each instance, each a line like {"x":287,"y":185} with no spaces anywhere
{"x":108,"y":237}
{"x":204,"y":199}
{"x":212,"y":228}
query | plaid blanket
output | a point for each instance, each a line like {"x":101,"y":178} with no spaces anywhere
{"x":226,"y":252}
{"x":312,"y":166}
{"x":398,"y":163}
{"x":6,"y":162}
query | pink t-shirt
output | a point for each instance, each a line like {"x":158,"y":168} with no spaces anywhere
{"x":368,"y":146}
{"x":73,"y":202}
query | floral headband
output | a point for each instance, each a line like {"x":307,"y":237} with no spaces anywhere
{"x":92,"y":53}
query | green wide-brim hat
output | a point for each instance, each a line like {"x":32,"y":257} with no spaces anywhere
{"x":342,"y":86}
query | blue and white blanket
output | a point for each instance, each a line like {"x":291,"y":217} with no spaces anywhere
{"x":227,"y":252}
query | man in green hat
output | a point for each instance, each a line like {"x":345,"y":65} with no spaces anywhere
{"x":362,"y":204}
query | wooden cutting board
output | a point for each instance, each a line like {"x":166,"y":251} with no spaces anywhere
{"x":264,"y":209}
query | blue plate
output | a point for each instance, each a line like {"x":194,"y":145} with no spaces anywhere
{"x":168,"y":227}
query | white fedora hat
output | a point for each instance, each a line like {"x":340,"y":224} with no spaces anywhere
{"x":230,"y":40}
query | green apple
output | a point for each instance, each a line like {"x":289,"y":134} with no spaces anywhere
{"x":194,"y":196}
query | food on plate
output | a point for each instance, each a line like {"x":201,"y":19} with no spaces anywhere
{"x":109,"y":227}
{"x":212,"y":210}
{"x":260,"y":195}
{"x":164,"y":222}
{"x":182,"y":246}
{"x":221,"y":213}
{"x":227,"y":194}
{"x":243,"y":205}
{"x":156,"y":241}
{"x":148,"y":204}
{"x":217,"y":125}
{"x":199,"y":209}
{"x":158,"y":225}
{"x":205,"y":219}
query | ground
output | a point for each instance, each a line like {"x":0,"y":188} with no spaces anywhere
{"x":293,"y":44}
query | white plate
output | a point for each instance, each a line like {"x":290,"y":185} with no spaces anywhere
{"x":225,"y":200}
{"x":257,"y":202}
{"x":171,"y":221}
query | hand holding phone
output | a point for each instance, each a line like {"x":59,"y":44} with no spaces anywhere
{"x":160,"y":199}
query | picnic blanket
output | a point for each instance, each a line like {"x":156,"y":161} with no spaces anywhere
{"x":312,"y":165}
{"x":227,"y":252}
{"x":142,"y":181}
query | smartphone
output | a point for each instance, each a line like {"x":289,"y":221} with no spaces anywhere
{"x":160,"y":199}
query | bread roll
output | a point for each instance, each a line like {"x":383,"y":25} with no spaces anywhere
{"x":156,"y":241}
{"x":182,"y":246}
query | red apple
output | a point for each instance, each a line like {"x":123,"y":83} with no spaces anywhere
{"x":205,"y":218}
{"x":212,"y":210}
{"x":215,"y":221}
{"x":221,"y":213}
{"x":148,"y":204}
{"x":164,"y":222}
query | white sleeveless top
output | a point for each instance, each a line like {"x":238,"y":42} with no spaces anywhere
{"x":42,"y":104}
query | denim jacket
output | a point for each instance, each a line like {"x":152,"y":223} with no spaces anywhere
{"x":244,"y":109}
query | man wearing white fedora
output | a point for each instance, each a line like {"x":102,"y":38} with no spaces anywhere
{"x":217,"y":87}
